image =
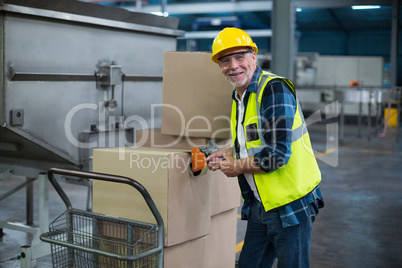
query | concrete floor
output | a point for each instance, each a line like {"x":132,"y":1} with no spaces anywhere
{"x":359,"y":226}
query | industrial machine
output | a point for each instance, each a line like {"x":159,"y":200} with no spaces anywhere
{"x":74,"y":76}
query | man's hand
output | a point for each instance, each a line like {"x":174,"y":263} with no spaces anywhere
{"x":231,"y":167}
{"x":225,"y":162}
{"x":214,"y":160}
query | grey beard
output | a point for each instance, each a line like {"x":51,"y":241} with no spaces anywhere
{"x":236,"y":84}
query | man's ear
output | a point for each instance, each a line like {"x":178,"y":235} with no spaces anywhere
{"x":255,"y":57}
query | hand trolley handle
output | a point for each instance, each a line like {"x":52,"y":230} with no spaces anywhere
{"x":110,"y":178}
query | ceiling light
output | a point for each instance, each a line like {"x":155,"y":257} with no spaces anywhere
{"x":298,"y":9}
{"x":216,"y":22}
{"x":158,"y":13}
{"x":366,"y":7}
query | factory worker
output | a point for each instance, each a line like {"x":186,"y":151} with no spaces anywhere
{"x":271,"y":156}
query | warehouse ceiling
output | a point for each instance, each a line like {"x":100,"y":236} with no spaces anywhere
{"x":312,"y":15}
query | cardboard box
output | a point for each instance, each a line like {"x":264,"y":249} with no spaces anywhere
{"x":114,"y":238}
{"x":221,"y":242}
{"x":189,"y":254}
{"x":153,"y":138}
{"x":218,"y":249}
{"x":225,"y":193}
{"x":183,"y":201}
{"x":197,"y":99}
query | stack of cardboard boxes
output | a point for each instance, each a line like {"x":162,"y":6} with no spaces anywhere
{"x":199,"y":212}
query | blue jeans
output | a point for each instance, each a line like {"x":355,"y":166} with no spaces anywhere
{"x":266,"y":240}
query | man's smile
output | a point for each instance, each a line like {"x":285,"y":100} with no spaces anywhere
{"x":235,"y":74}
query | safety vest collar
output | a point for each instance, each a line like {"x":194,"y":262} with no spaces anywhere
{"x":253,"y":86}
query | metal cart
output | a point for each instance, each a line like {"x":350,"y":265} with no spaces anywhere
{"x":85,"y":239}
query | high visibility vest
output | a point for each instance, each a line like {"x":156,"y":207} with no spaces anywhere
{"x":293,"y":180}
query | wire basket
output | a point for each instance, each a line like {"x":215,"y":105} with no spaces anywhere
{"x":85,"y":239}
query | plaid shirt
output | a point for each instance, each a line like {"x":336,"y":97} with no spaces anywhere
{"x":279,"y":102}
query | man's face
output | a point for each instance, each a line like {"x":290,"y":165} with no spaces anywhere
{"x":238,"y":73}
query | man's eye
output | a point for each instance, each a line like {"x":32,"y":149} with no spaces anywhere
{"x":239,"y":57}
{"x":225,"y":60}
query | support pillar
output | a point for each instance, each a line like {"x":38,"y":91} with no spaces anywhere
{"x":29,"y":203}
{"x":394,"y":42}
{"x":283,"y":47}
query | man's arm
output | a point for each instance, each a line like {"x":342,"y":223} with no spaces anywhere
{"x":233,"y":167}
{"x":278,"y":108}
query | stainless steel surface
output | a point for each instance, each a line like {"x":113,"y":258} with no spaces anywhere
{"x":71,"y":10}
{"x":363,"y":105}
{"x":18,"y":73}
{"x":49,"y":94}
{"x":91,"y":20}
{"x":7,"y":173}
{"x":112,"y":138}
{"x":361,"y":95}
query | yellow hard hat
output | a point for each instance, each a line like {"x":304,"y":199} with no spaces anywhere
{"x":229,"y":38}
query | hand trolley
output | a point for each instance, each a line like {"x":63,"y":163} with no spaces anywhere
{"x":85,"y":239}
